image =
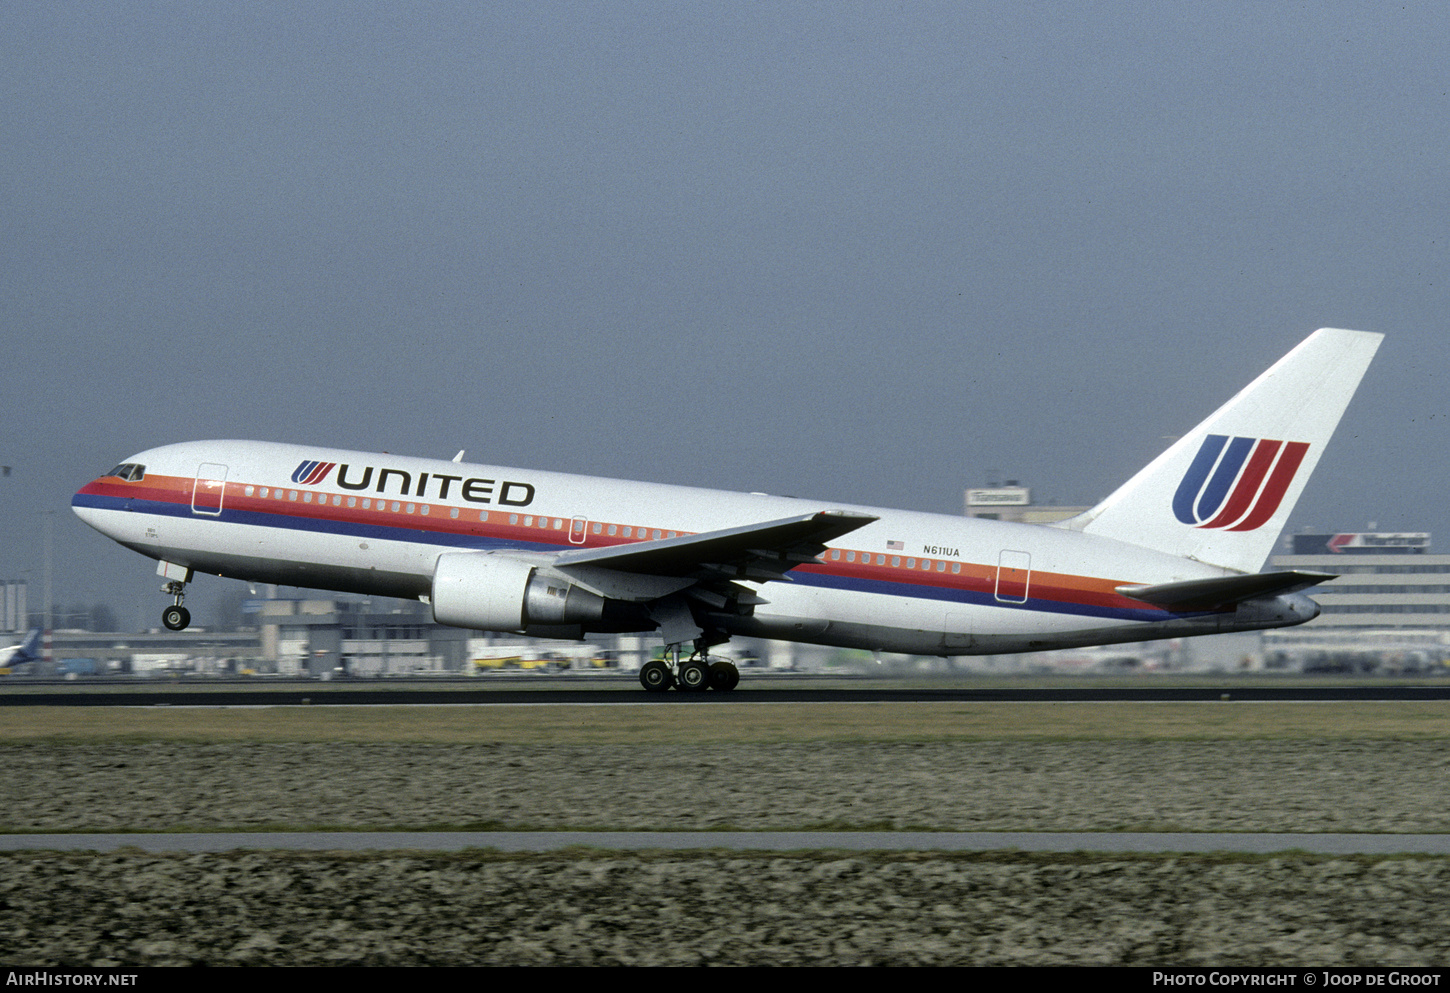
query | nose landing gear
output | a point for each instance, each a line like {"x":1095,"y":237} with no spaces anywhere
{"x":176,"y":617}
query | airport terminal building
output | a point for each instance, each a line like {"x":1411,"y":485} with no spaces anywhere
{"x":1392,"y":598}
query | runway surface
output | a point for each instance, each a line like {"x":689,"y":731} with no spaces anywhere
{"x":620,"y":692}
{"x":545,"y":841}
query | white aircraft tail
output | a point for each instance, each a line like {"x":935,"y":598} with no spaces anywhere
{"x":1222,"y":493}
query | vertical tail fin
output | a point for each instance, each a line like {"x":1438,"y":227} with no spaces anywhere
{"x":1222,"y":492}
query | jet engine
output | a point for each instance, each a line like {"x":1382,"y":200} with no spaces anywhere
{"x":498,"y":593}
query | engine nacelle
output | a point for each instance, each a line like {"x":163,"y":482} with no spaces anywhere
{"x":499,"y":593}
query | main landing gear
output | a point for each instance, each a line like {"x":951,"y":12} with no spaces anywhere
{"x":176,"y":617}
{"x":695,"y":674}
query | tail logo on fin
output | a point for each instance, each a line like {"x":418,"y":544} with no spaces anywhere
{"x":1236,"y":484}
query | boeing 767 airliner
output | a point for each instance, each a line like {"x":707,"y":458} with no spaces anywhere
{"x":1174,"y":551}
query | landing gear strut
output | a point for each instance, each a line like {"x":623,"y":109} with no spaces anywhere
{"x":176,"y":617}
{"x":694,"y":675}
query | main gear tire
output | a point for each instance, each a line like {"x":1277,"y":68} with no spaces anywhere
{"x":724,"y":676}
{"x":656,"y":677}
{"x":694,"y":677}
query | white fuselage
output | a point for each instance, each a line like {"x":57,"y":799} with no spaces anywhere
{"x":377,"y":523}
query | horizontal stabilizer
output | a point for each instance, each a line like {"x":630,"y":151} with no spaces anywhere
{"x":1224,"y":591}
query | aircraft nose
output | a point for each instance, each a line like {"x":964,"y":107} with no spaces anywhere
{"x":87,"y":504}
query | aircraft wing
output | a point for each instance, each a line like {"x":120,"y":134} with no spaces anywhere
{"x":754,"y":552}
{"x":1224,"y":591}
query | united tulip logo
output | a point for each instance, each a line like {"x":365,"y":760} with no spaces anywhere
{"x":1236,"y":484}
{"x":311,"y":472}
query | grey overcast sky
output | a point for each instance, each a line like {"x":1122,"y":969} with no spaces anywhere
{"x":867,"y":252}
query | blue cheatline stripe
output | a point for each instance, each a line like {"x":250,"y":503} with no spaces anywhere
{"x":913,"y":591}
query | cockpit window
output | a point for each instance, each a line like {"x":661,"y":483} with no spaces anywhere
{"x":129,"y":471}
